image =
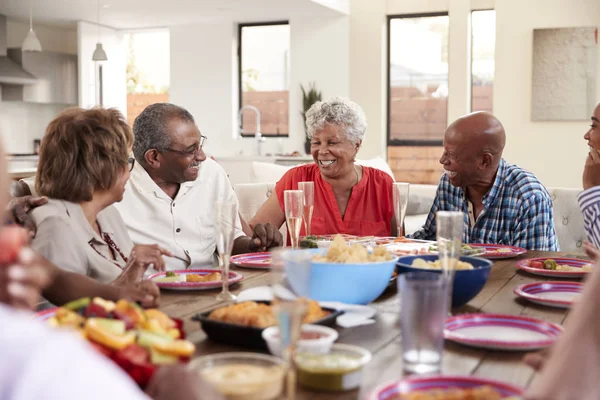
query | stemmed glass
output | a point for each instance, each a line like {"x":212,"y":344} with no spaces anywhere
{"x":290,"y":278}
{"x":400,"y":196}
{"x":293,"y":202}
{"x":449,"y":227}
{"x":225,"y":218}
{"x":308,"y":190}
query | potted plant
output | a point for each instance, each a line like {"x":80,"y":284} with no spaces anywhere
{"x":309,"y":97}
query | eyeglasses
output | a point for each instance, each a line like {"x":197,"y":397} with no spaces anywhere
{"x":131,"y":163}
{"x":191,"y":152}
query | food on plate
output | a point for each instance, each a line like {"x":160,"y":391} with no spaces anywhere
{"x":340,"y":252}
{"x":552,"y":265}
{"x":501,"y":250}
{"x":476,"y":393}
{"x":424,"y":264}
{"x":136,"y":339}
{"x":309,"y":242}
{"x":260,"y":315}
{"x":195,"y":278}
{"x":246,"y":381}
{"x":465,"y":250}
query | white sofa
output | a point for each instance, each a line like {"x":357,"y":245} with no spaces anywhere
{"x":568,"y":220}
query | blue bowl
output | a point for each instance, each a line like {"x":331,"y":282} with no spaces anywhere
{"x":346,"y":283}
{"x":467,"y":283}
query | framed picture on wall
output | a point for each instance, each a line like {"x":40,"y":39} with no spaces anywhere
{"x":565,"y":69}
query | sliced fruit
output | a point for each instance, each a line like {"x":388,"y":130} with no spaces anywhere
{"x":179,"y":348}
{"x":174,"y":333}
{"x":113,"y":326}
{"x":149,"y":339}
{"x":135,"y":354}
{"x":163,"y":319}
{"x":154,"y":325}
{"x":108,"y":305}
{"x":66,"y":317}
{"x":156,"y":357}
{"x":94,"y":310}
{"x":124,"y":309}
{"x":77,"y":304}
{"x":99,"y":333}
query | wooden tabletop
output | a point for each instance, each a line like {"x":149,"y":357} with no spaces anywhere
{"x":382,"y":339}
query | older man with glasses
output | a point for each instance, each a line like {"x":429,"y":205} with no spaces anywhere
{"x":171,"y":194}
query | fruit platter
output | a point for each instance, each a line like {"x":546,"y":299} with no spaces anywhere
{"x":138,"y":340}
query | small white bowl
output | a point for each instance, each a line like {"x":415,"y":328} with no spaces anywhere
{"x":321,"y":345}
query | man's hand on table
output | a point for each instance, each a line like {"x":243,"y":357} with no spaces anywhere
{"x":265,"y":236}
{"x":591,"y":171}
{"x":179,"y":383}
{"x":18,"y":207}
{"x":146,"y":293}
{"x":537,"y":360}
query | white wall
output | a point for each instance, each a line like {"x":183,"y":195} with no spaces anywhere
{"x":114,"y":70}
{"x":204,"y":77}
{"x":51,"y":38}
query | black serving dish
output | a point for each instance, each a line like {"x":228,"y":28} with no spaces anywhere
{"x":247,"y":336}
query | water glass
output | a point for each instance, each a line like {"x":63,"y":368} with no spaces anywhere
{"x":424,"y":307}
{"x":294,"y":208}
{"x":225,"y":222}
{"x":308,"y":190}
{"x":400,"y":197}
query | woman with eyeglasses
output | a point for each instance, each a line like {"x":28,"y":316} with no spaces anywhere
{"x":83,"y":167}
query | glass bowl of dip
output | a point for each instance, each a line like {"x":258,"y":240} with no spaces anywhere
{"x":340,"y":369}
{"x":313,"y":339}
{"x":242,"y":376}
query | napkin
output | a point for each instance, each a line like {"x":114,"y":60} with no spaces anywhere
{"x":354,"y":314}
{"x":571,"y":372}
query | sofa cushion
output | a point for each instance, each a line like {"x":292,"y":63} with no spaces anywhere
{"x":251,"y":197}
{"x":568,"y":220}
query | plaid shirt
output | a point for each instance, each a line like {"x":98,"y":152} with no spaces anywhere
{"x":517,"y":211}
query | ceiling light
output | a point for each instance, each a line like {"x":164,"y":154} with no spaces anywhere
{"x":99,"y":53}
{"x":31,"y":42}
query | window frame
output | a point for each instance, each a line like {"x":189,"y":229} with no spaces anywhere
{"x":239,"y":72}
{"x":471,"y":64}
{"x":405,"y":142}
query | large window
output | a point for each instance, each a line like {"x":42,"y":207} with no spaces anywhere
{"x":264,"y":53}
{"x":148,"y":70}
{"x":418,"y":79}
{"x":483,"y":28}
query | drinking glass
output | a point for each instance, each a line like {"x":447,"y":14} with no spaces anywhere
{"x":449,"y":227}
{"x":424,"y":306}
{"x":290,"y":279}
{"x":400,"y":197}
{"x":308,"y":190}
{"x":294,"y":202}
{"x":225,"y":219}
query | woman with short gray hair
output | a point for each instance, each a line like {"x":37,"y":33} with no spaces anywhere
{"x":349,"y":198}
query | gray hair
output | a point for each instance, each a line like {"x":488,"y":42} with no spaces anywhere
{"x":337,"y":111}
{"x":150,"y":127}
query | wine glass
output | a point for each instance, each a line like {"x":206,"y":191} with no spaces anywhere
{"x":449,"y":228}
{"x":400,"y":196}
{"x":225,"y":219}
{"x":290,"y":283}
{"x":308,"y":189}
{"x":294,"y":202}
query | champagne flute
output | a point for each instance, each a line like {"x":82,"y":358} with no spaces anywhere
{"x":449,"y":228}
{"x":290,"y":277}
{"x":308,"y":189}
{"x":225,"y":218}
{"x":294,"y":201}
{"x":400,"y":196}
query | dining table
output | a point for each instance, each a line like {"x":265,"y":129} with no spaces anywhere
{"x":383,"y":338}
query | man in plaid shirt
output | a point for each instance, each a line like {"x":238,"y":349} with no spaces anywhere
{"x":502,"y":203}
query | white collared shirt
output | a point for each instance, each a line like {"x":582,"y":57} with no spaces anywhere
{"x":184,"y":225}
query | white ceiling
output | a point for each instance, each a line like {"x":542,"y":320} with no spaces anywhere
{"x":138,"y":14}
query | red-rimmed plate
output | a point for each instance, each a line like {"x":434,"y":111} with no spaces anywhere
{"x":252,"y":260}
{"x":553,"y":294}
{"x":577,"y":264}
{"x":498,"y":251}
{"x":234,"y":277}
{"x":501,"y":332}
{"x":415,"y":384}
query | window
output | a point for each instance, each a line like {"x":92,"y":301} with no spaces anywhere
{"x":148,"y":70}
{"x":264,"y":52}
{"x":483,"y":31}
{"x":418,"y":79}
